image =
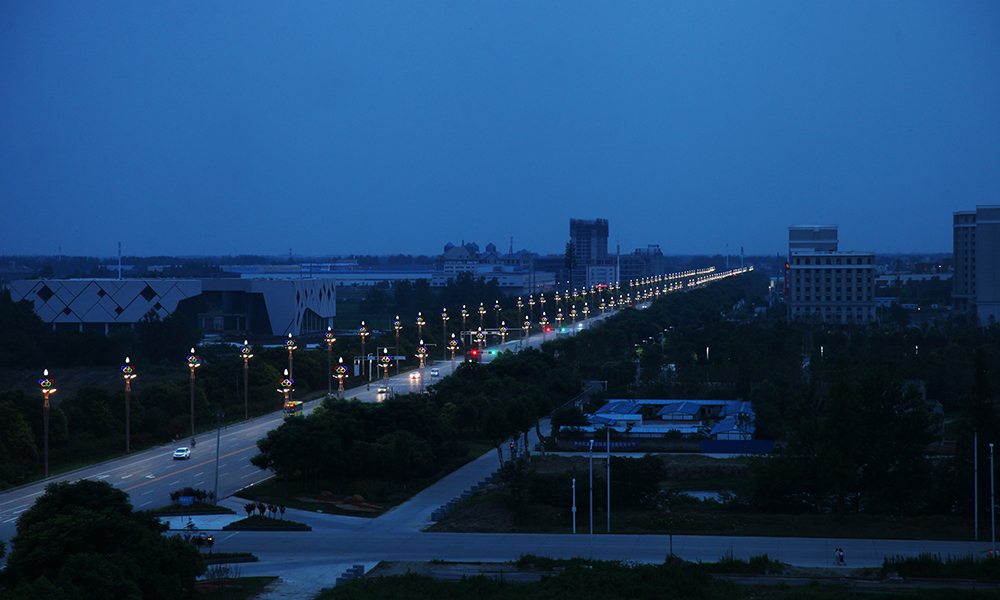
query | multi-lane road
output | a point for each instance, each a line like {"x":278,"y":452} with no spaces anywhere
{"x":314,"y":559}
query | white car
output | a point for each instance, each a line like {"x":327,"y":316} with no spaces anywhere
{"x":435,"y":372}
{"x":382,"y":389}
{"x":182,"y":454}
{"x":414,"y":375}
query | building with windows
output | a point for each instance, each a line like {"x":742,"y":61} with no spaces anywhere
{"x":976,"y":280}
{"x":826,"y":284}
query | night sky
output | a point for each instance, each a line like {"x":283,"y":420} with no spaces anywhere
{"x":339,"y":127}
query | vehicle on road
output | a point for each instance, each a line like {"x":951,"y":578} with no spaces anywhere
{"x":414,"y":376}
{"x":292,"y":408}
{"x":435,"y":372}
{"x":383,"y":389}
{"x":182,"y":454}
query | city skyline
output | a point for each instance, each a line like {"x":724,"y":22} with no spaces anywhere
{"x":383,"y":128}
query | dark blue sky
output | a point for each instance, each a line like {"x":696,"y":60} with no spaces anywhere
{"x":369,"y":127}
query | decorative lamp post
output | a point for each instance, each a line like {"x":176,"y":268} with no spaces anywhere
{"x":286,"y":388}
{"x":496,"y":313}
{"x":397,"y":325}
{"x":386,"y":361}
{"x":129,"y":374}
{"x":420,"y":325}
{"x":422,"y":355}
{"x":520,"y":305}
{"x":247,"y":353}
{"x":290,"y":344}
{"x":572,"y":314}
{"x":482,"y":313}
{"x":531,"y":306}
{"x":444,"y":332}
{"x":503,"y":332}
{"x":341,"y":373}
{"x":541,"y":304}
{"x":465,"y":315}
{"x":543,"y":323}
{"x":586,"y":311}
{"x":558,"y":298}
{"x":559,"y":319}
{"x":329,"y":338}
{"x":47,"y":390}
{"x":363,"y":332}
{"x":453,"y":346}
{"x":193,"y":363}
{"x":526,"y":327}
{"x":480,"y":338}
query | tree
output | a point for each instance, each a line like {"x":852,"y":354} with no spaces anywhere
{"x":496,"y":428}
{"x":83,"y":539}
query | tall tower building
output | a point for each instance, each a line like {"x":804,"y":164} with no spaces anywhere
{"x":976,"y":281}
{"x":590,"y":240}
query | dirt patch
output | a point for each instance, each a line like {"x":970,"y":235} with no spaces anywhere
{"x":481,"y":517}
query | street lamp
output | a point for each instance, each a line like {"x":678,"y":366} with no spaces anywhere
{"x":47,"y":390}
{"x":286,"y":388}
{"x":520,"y":305}
{"x":465,"y":315}
{"x":482,"y":313}
{"x":543,"y":323}
{"x":386,"y":362}
{"x":397,"y":325}
{"x":586,"y":311}
{"x":247,"y":353}
{"x":422,"y":355}
{"x":129,"y":374}
{"x":341,"y":373}
{"x":541,"y":303}
{"x":559,"y":319}
{"x":363,"y":332}
{"x":330,"y":339}
{"x":572,"y":314}
{"x":558,"y":298}
{"x":531,"y":306}
{"x":444,"y":332}
{"x":496,"y":313}
{"x":290,"y":344}
{"x":420,"y":325}
{"x":453,"y":346}
{"x":503,"y":332}
{"x":526,"y":327}
{"x":480,"y":338}
{"x":193,"y":363}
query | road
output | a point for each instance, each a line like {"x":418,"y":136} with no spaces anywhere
{"x":310,"y":561}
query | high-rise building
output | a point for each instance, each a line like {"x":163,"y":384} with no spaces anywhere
{"x":827,"y":284}
{"x":976,"y":281}
{"x":590,"y":250}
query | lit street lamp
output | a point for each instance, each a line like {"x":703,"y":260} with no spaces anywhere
{"x":526,"y":327}
{"x":290,"y":344}
{"x":363,"y":332}
{"x":193,"y":363}
{"x":480,"y":338}
{"x":422,"y":355}
{"x":520,"y":305}
{"x":482,"y":313}
{"x":503,"y":332}
{"x":559,"y":319}
{"x":397,"y":325}
{"x":329,"y":339}
{"x":444,"y":333}
{"x":47,"y":390}
{"x":496,"y":313}
{"x":453,"y":346}
{"x":341,"y":373}
{"x":129,"y":374}
{"x":465,"y":315}
{"x":544,"y":324}
{"x":247,"y":353}
{"x":286,"y":388}
{"x":420,"y":325}
{"x":386,"y":363}
{"x":572,"y":314}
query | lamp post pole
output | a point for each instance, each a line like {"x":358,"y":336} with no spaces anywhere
{"x":247,"y":353}
{"x":129,"y":374}
{"x":363,"y":332}
{"x":420,"y":325}
{"x":193,"y":363}
{"x":503,"y":332}
{"x":422,"y":354}
{"x":520,"y":305}
{"x":527,"y":328}
{"x":386,"y":363}
{"x":286,"y":384}
{"x":290,"y":344}
{"x":482,"y":313}
{"x":465,"y":315}
{"x":544,"y":323}
{"x":444,"y":333}
{"x":398,"y":326}
{"x":591,"y":452}
{"x":496,"y":313}
{"x":330,"y":339}
{"x":453,"y":346}
{"x":47,"y":390}
{"x":341,"y":373}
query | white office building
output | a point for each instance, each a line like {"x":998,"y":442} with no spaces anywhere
{"x":824,"y":283}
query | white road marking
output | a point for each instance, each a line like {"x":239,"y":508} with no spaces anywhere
{"x":174,"y":482}
{"x":149,"y":492}
{"x":145,"y":503}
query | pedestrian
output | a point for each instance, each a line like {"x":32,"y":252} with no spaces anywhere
{"x":840,"y":557}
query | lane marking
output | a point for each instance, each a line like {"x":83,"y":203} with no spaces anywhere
{"x":195,"y":466}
